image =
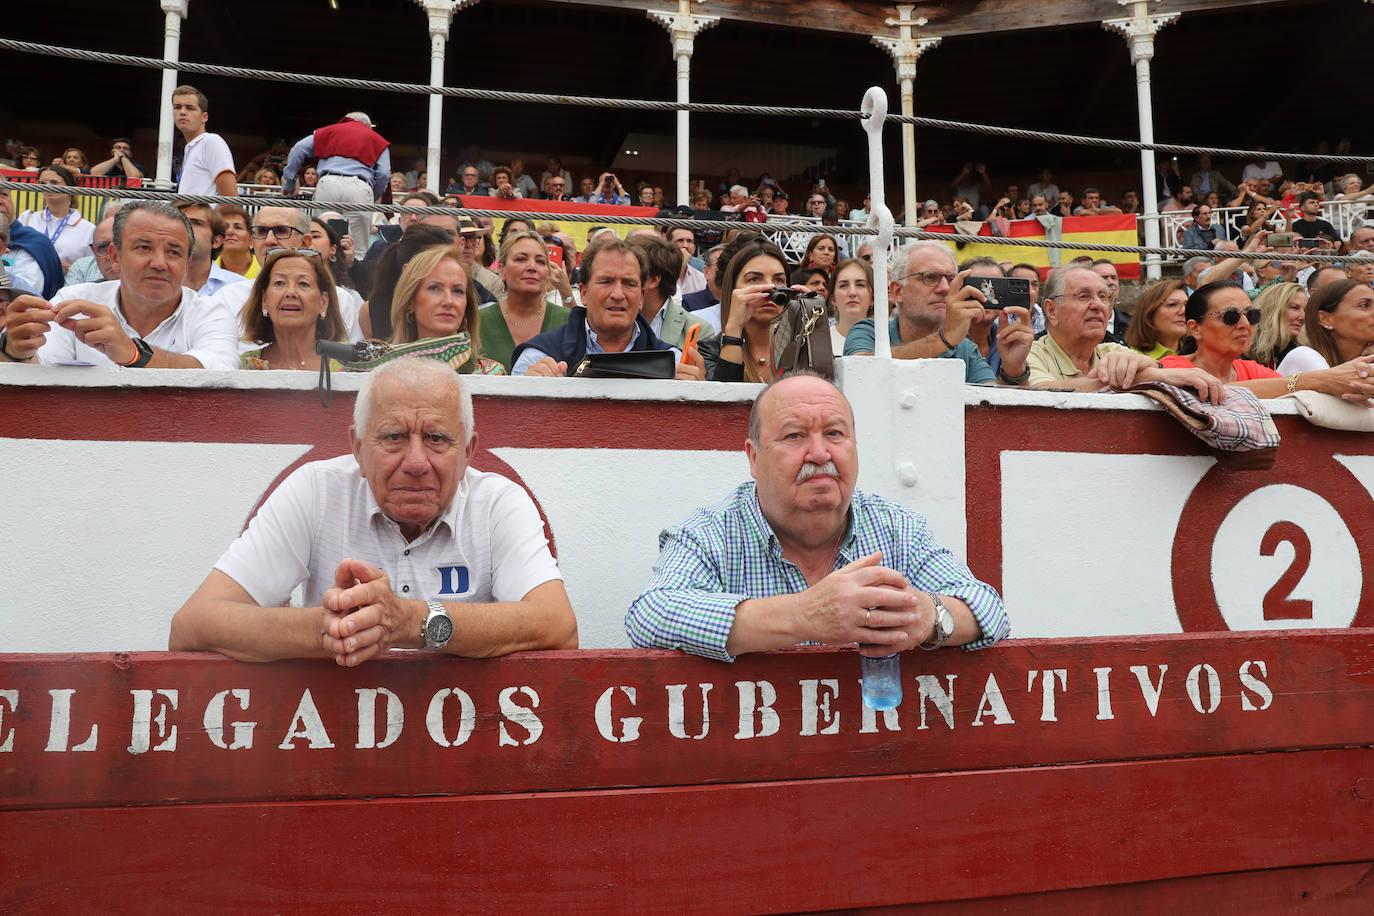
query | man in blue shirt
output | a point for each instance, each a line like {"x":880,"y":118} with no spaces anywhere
{"x":800,"y":556}
{"x":934,"y":313}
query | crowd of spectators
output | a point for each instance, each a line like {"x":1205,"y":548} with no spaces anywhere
{"x":152,"y":284}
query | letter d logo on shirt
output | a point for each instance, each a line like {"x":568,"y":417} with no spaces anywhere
{"x":453,"y":580}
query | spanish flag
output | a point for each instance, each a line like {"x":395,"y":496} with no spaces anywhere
{"x":1090,"y":230}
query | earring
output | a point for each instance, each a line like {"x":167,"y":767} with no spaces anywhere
{"x":410,"y":317}
{"x":264,"y":313}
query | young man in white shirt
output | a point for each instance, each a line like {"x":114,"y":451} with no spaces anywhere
{"x":207,"y":166}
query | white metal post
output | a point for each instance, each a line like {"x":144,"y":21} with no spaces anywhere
{"x":683,"y":27}
{"x":176,"y":11}
{"x":440,"y":14}
{"x":905,"y":50}
{"x":879,"y":216}
{"x":1139,"y":30}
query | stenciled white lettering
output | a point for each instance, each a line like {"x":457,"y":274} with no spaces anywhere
{"x":1150,"y":691}
{"x":519,"y":715}
{"x":144,"y":720}
{"x":629,"y":726}
{"x":214,"y":721}
{"x":367,"y":718}
{"x":749,"y":703}
{"x":930,"y":689}
{"x":1047,"y":689}
{"x":1261,"y":689}
{"x":1104,"y":694}
{"x":868,"y":723}
{"x":993,"y":704}
{"x":815,"y":702}
{"x":1213,"y":688}
{"x":434,"y":717}
{"x":8,"y":698}
{"x":677,"y":714}
{"x":60,"y":724}
{"x":307,"y":724}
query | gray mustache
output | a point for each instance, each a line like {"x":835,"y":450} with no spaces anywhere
{"x":810,"y":470}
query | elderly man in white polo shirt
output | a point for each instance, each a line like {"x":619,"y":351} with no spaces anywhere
{"x":399,"y":545}
{"x":144,"y":318}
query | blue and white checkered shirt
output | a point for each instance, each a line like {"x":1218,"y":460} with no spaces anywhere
{"x":728,"y":553}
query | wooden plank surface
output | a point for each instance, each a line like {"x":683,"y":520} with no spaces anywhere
{"x":763,"y":847}
{"x":159,"y":727}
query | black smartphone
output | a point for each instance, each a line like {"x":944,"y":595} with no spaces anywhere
{"x":390,"y":233}
{"x":1002,"y":291}
{"x":1309,"y":243}
{"x":339,"y":227}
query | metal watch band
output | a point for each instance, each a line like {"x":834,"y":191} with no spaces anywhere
{"x":944,"y":624}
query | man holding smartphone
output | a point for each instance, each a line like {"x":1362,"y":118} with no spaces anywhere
{"x":1309,"y":224}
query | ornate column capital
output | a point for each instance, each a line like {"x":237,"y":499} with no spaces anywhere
{"x":1139,"y":29}
{"x":176,"y":6}
{"x":683,"y":25}
{"x":440,"y":13}
{"x":906,"y":48}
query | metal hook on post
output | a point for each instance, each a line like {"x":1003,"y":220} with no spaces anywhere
{"x":879,"y":216}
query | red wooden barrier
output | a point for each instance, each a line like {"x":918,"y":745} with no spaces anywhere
{"x":1158,"y":766}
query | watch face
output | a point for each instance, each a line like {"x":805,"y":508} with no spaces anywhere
{"x":440,"y":630}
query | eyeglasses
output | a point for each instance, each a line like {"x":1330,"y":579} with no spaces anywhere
{"x":930,"y":278}
{"x":100,"y":249}
{"x":29,"y":156}
{"x":304,"y":252}
{"x":280,"y":233}
{"x":1231,"y":317}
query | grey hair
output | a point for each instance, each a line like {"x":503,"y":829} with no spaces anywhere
{"x":739,"y":189}
{"x":4,"y":229}
{"x":300,"y":217}
{"x":899,"y":262}
{"x":756,"y":410}
{"x":1191,"y":264}
{"x":111,"y":209}
{"x":1053,"y":287}
{"x":157,"y":208}
{"x":420,"y":374}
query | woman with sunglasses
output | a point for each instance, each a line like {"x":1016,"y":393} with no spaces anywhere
{"x":292,"y":305}
{"x":1221,"y":322}
{"x":435,"y":297}
{"x":59,"y":221}
{"x":1338,"y":328}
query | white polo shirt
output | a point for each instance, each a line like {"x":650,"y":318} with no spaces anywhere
{"x":205,"y":158}
{"x":488,"y":546}
{"x":198,"y":328}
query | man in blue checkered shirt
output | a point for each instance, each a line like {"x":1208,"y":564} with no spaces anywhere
{"x":800,"y":556}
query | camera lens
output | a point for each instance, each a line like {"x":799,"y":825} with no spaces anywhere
{"x":781,"y":296}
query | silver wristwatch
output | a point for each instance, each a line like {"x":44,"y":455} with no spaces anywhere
{"x":944,"y":624}
{"x":438,"y":627}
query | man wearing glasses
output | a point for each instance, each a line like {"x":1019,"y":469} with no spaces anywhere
{"x":934,"y":313}
{"x":146,"y":318}
{"x":276,"y":227}
{"x":97,"y":265}
{"x":1073,"y":354}
{"x":556,"y":188}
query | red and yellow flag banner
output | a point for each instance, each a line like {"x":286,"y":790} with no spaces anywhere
{"x":1089,"y":230}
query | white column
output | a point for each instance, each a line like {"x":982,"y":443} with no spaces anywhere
{"x":684,"y":27}
{"x":905,"y":50}
{"x":176,"y":11}
{"x":440,"y":14}
{"x":1139,"y":31}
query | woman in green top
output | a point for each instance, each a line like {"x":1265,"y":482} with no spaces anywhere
{"x":525,"y":312}
{"x":1157,"y":323}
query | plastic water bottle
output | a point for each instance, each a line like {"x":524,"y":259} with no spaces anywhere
{"x":882,"y":681}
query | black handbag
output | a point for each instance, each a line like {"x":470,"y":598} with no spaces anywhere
{"x":799,"y":338}
{"x":630,"y":364}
